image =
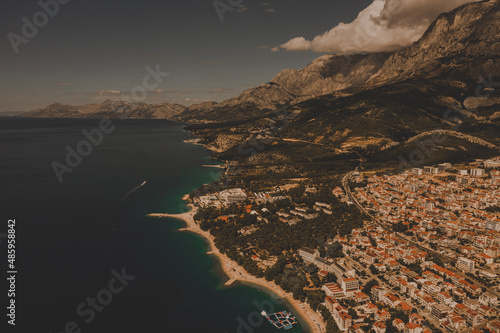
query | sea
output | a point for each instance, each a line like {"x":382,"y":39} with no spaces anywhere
{"x":87,"y":259}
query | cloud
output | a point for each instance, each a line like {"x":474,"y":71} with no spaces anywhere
{"x":109,"y":92}
{"x":385,"y":25}
{"x":220,"y":90}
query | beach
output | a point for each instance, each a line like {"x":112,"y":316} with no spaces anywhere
{"x":237,"y":273}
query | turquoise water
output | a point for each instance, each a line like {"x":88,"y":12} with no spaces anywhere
{"x":71,"y":235}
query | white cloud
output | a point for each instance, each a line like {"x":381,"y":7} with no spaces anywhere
{"x":109,"y":92}
{"x":385,"y":25}
{"x":220,"y":90}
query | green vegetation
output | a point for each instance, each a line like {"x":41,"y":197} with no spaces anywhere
{"x":369,"y":285}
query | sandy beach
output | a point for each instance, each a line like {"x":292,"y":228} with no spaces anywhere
{"x":237,"y":273}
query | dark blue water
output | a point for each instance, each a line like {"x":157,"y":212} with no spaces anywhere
{"x":72,"y":234}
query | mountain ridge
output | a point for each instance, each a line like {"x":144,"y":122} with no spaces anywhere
{"x":465,"y":41}
{"x":109,"y":109}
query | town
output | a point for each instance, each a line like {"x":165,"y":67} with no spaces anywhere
{"x":424,"y":256}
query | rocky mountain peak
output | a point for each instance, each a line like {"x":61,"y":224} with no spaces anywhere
{"x":330,"y":73}
{"x":466,"y":39}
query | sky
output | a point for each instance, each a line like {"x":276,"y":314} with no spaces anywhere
{"x":91,"y":50}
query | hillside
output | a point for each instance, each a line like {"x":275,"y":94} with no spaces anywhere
{"x":250,"y":103}
{"x":372,"y":103}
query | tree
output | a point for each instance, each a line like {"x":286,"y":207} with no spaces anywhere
{"x":369,"y":285}
{"x":335,"y":250}
{"x":352,"y":313}
{"x":399,"y":227}
{"x":324,"y":312}
{"x":331,"y":326}
{"x":390,"y":328}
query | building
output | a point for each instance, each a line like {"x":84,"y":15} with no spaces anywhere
{"x":492,"y":164}
{"x":494,"y":326}
{"x":398,"y":324}
{"x":417,"y":171}
{"x":233,"y":195}
{"x":341,"y":271}
{"x":489,"y":299}
{"x":444,"y":298}
{"x":477,"y":172}
{"x":465,"y":264}
{"x":382,"y":315}
{"x":473,"y":318}
{"x":377,"y":293}
{"x":344,"y":321}
{"x":455,"y":323}
{"x":339,"y":313}
{"x":333,"y":290}
{"x":444,"y":166}
{"x":428,"y":170}
{"x":413,"y":328}
{"x":308,"y":255}
{"x":379,"y":327}
{"x":492,"y":225}
{"x":350,"y":285}
{"x":440,"y":311}
{"x":330,"y":302}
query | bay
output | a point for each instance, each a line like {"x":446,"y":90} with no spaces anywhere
{"x":72,"y":235}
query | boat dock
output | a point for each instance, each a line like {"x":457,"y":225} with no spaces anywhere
{"x":230,"y":282}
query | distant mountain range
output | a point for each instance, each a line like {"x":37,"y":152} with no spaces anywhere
{"x":110,"y":109}
{"x":11,"y":113}
{"x":376,"y":102}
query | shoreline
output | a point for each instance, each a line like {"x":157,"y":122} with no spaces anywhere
{"x":237,"y":273}
{"x":197,"y":142}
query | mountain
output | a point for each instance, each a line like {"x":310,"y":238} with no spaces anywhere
{"x":250,"y":103}
{"x":375,"y":104}
{"x":324,"y":75}
{"x":109,"y":109}
{"x":11,"y":113}
{"x":330,"y":73}
{"x":465,"y":40}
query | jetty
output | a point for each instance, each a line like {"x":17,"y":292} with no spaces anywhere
{"x":230,"y":282}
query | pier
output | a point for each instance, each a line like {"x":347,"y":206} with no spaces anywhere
{"x":230,"y":282}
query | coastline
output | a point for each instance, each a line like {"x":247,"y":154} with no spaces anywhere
{"x":206,"y":146}
{"x":237,"y":273}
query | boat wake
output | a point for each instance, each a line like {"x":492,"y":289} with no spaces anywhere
{"x":132,"y":191}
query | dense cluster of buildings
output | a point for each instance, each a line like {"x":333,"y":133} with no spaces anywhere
{"x":432,"y":252}
{"x":435,"y":296}
{"x":448,"y":212}
{"x":440,"y":214}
